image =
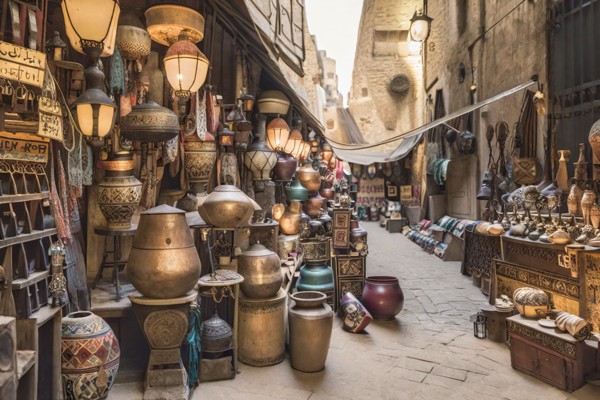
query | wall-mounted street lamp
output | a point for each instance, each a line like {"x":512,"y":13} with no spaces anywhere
{"x":420,"y":25}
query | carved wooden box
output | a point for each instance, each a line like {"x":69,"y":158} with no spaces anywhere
{"x":349,"y":273}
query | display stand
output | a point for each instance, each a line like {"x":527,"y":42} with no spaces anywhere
{"x":165,"y":324}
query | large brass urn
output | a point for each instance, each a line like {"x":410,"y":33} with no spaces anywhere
{"x":309,"y":177}
{"x":226,"y":207}
{"x":163,"y":262}
{"x":261,"y":269}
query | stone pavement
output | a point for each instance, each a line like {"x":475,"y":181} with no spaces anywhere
{"x":428,"y":352}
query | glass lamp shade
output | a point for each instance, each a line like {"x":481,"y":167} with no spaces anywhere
{"x":226,"y":137}
{"x":314,"y":146}
{"x":247,"y":101}
{"x":95,"y":113}
{"x":294,"y":143}
{"x":420,"y":25}
{"x":186,"y":68}
{"x":260,"y":160}
{"x":91,"y":25}
{"x":326,"y":152}
{"x":278,"y":133}
{"x":305,"y":152}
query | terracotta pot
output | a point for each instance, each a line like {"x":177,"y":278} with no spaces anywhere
{"x":163,"y":262}
{"x":90,"y":356}
{"x":133,"y":42}
{"x":354,"y":315}
{"x":227,"y":207}
{"x":328,"y":193}
{"x":296,"y":192}
{"x":150,"y":122}
{"x":261,"y":330}
{"x":383,"y":297}
{"x":313,"y":205}
{"x":200,"y":157}
{"x":310,"y":323}
{"x":261,"y":269}
{"x":119,"y":192}
{"x":290,"y":221}
{"x":309,"y":177}
{"x":285,"y":167}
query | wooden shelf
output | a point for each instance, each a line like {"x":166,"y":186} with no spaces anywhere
{"x":15,"y":198}
{"x":27,"y":237}
{"x":25,"y":360}
{"x":30,"y":280}
{"x":45,"y":314}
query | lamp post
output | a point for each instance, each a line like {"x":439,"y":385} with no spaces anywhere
{"x":420,"y":25}
{"x":91,"y":28}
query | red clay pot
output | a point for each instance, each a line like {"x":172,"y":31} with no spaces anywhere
{"x":383,"y":297}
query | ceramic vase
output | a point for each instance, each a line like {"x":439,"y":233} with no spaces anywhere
{"x":314,"y":204}
{"x":574,"y":200}
{"x":200,"y":157}
{"x":355,"y":316}
{"x":587,"y":201}
{"x":562,"y":175}
{"x":595,"y":216}
{"x":296,"y":192}
{"x":315,"y":276}
{"x":119,"y":193}
{"x":309,"y":177}
{"x":290,"y":221}
{"x":383,"y":297}
{"x":261,"y":269}
{"x":310,"y":324}
{"x":90,"y":356}
{"x":285,"y":167}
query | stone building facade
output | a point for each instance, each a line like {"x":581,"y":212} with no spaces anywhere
{"x":329,"y":79}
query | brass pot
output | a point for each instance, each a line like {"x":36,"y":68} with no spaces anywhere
{"x":290,"y":221}
{"x":200,"y":157}
{"x":226,"y":207}
{"x":314,"y":205}
{"x":328,"y":193}
{"x":163,"y":262}
{"x":261,"y":269}
{"x":286,"y":244}
{"x":150,"y":122}
{"x":309,"y":177}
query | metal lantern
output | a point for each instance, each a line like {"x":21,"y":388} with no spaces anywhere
{"x":278,"y":133}
{"x":326,"y":152}
{"x":247,"y":101}
{"x":294,"y":146}
{"x":92,"y":25}
{"x":186,"y":67}
{"x":305,"y":152}
{"x":55,"y":47}
{"x":420,"y":25}
{"x":226,"y":137}
{"x":259,"y":158}
{"x":479,"y":325}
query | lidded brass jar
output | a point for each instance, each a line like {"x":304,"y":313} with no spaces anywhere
{"x":227,"y":207}
{"x":261,"y":269}
{"x":163,"y":262}
{"x":309,"y":177}
{"x":150,"y":122}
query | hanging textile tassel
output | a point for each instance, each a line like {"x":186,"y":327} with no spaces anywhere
{"x":117,"y":74}
{"x":201,"y":117}
{"x":193,"y":344}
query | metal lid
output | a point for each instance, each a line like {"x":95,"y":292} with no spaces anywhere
{"x":163,"y":209}
{"x":257,"y":250}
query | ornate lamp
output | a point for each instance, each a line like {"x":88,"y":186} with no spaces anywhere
{"x":294,"y":145}
{"x":247,"y":101}
{"x":420,"y":26}
{"x":326,"y":152}
{"x":226,"y":137}
{"x":278,"y":133}
{"x":305,"y":152}
{"x":91,"y":28}
{"x":259,"y":158}
{"x":185,"y":66}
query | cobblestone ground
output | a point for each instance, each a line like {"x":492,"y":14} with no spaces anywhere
{"x":428,"y":352}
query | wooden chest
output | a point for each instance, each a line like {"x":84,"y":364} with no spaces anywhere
{"x":549,"y":355}
{"x":349,"y":274}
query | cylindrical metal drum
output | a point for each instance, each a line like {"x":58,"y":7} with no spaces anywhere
{"x":163,"y":262}
{"x":261,"y":330}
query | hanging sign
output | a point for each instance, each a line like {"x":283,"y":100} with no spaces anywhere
{"x":22,"y":64}
{"x":406,"y":193}
{"x":24,"y":147}
{"x":50,"y":119}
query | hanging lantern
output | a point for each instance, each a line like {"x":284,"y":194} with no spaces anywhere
{"x":247,"y":101}
{"x":259,"y":158}
{"x":186,"y":67}
{"x":278,"y":133}
{"x":294,"y":143}
{"x":226,"y":137}
{"x":420,"y":25}
{"x":55,"y":47}
{"x":305,"y":153}
{"x":92,"y":25}
{"x":326,"y":152}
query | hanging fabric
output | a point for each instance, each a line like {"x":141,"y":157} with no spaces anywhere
{"x":194,"y":345}
{"x":526,"y":169}
{"x":201,"y":123}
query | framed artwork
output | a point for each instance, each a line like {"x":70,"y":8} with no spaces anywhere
{"x":341,"y":238}
{"x":341,"y":218}
{"x":391,"y":192}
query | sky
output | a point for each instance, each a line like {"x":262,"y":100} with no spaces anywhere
{"x":335,"y":23}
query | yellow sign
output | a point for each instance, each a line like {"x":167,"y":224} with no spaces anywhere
{"x":24,"y":147}
{"x":21,"y":64}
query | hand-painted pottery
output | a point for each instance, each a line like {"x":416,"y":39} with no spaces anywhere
{"x":310,"y":323}
{"x":383,"y":297}
{"x":90,"y":356}
{"x":531,"y":302}
{"x":354,"y":315}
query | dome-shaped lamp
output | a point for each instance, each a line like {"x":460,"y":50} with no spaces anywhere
{"x":278,"y":133}
{"x":420,"y":25}
{"x":259,"y":158}
{"x":294,"y":143}
{"x":92,"y":26}
{"x":186,"y":67}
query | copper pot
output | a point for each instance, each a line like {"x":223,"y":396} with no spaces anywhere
{"x":200,"y":157}
{"x":383,"y":297}
{"x":309,"y":177}
{"x":261,"y":269}
{"x":314,"y":205}
{"x":328,"y":193}
{"x":163,"y":262}
{"x":290,"y":221}
{"x":285,"y":167}
{"x":227,"y":207}
{"x":150,"y":122}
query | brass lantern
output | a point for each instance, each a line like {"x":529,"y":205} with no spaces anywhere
{"x":278,"y":133}
{"x":305,"y":152}
{"x":259,"y":158}
{"x":247,"y":101}
{"x":186,"y":67}
{"x":294,"y":146}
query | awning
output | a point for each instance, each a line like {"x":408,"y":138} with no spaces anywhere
{"x":366,"y":154}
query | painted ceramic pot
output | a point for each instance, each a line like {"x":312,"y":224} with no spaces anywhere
{"x":574,"y":200}
{"x":227,"y":207}
{"x":310,"y":324}
{"x":119,"y":193}
{"x":90,"y":356}
{"x":383,"y":297}
{"x":355,"y":316}
{"x":290,"y":221}
{"x":315,"y":276}
{"x":285,"y":167}
{"x":595,"y":216}
{"x":531,"y":302}
{"x":261,"y":269}
{"x":588,"y":199}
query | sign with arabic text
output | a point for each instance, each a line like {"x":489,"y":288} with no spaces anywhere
{"x":50,"y":119}
{"x":24,"y":147}
{"x":21,"y":64}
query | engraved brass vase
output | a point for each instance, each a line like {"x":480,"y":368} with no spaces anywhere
{"x":226,"y":207}
{"x":261,"y":269}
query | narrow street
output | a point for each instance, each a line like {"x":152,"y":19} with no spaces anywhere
{"x":429,"y":352}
